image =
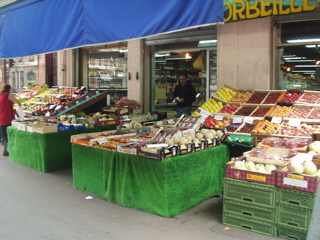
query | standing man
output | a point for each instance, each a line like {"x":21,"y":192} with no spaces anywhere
{"x":184,"y":94}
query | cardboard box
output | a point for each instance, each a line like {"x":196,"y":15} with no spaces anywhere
{"x":253,"y":176}
{"x":302,"y":182}
{"x":99,"y":123}
{"x":43,"y":128}
{"x":160,"y":155}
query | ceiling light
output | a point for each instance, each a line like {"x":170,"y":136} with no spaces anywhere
{"x":287,"y":56}
{"x":306,"y":60}
{"x":288,"y":69}
{"x":208,"y":41}
{"x":304,"y":40}
{"x":162,"y":55}
{"x":291,"y":58}
{"x":318,"y":62}
{"x":312,"y":46}
{"x":307,"y":66}
{"x":188,"y":56}
{"x":305,"y":71}
{"x":123,"y":51}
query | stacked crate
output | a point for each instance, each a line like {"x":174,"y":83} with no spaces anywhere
{"x":293,"y":212}
{"x":250,"y":206}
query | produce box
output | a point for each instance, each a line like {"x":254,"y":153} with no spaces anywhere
{"x":159,"y":154}
{"x":129,"y":148}
{"x":115,"y":110}
{"x":189,"y":122}
{"x":241,"y":96}
{"x":239,"y":140}
{"x":301,"y":112}
{"x":229,"y":109}
{"x":302,"y":182}
{"x":100,"y":123}
{"x":87,"y":139}
{"x":221,"y":95}
{"x":295,"y":198}
{"x":246,"y":128}
{"x":279,"y":110}
{"x":253,"y":176}
{"x":245,"y":110}
{"x":265,"y":127}
{"x":288,"y":232}
{"x":261,"y":111}
{"x":44,"y":128}
{"x":277,"y":152}
{"x":190,"y":148}
{"x":309,"y":98}
{"x":292,"y":96}
{"x":274,"y":96}
{"x":258,"y":96}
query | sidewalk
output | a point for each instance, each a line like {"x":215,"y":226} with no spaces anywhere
{"x":36,"y":206}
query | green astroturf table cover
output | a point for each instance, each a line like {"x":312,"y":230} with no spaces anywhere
{"x":44,"y":152}
{"x":167,"y":188}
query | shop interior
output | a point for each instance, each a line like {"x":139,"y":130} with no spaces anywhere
{"x":200,"y":65}
{"x":300,"y":55}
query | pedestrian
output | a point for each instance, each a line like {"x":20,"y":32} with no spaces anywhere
{"x":184,"y":95}
{"x":6,"y":114}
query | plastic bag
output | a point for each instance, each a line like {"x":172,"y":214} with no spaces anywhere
{"x":20,"y":113}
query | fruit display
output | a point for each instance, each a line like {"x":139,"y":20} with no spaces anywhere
{"x":309,"y":98}
{"x":246,"y":128}
{"x":210,"y":122}
{"x":233,"y":127}
{"x":225,"y":94}
{"x":290,"y":143}
{"x":260,"y":112}
{"x":257,"y":97}
{"x":212,"y":106}
{"x":241,"y":97}
{"x":272,"y":98}
{"x":291,"y":97}
{"x":266,"y":127}
{"x":299,"y":113}
{"x":112,"y":143}
{"x":187,"y":122}
{"x":229,"y":109}
{"x":245,"y":111}
{"x":305,"y":130}
{"x":315,"y":114}
{"x":280,"y":111}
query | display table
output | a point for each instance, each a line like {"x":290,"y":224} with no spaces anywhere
{"x":44,"y":152}
{"x":167,"y":188}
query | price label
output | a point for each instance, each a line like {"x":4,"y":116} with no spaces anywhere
{"x":77,"y":102}
{"x":58,"y":107}
{"x":87,"y":97}
{"x":248,"y":120}
{"x":59,"y":96}
{"x":47,"y":114}
{"x":276,"y":119}
{"x":170,"y":121}
{"x":237,"y":120}
{"x":294,"y":122}
{"x":218,"y":117}
{"x":97,"y":92}
{"x":102,"y":141}
{"x":159,"y":123}
{"x":52,"y":107}
{"x":74,"y":95}
{"x":204,"y":113}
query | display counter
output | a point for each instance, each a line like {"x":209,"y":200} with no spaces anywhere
{"x":44,"y":152}
{"x":167,"y":188}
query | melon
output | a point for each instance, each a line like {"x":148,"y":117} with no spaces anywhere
{"x":204,"y":131}
{"x":310,"y":168}
{"x":219,"y":133}
{"x":176,"y":140}
{"x":189,"y":138}
{"x":214,"y":132}
{"x":297,"y":168}
{"x":208,"y":135}
{"x":199,"y":136}
{"x":137,"y":125}
{"x":183,"y":141}
{"x":169,"y":141}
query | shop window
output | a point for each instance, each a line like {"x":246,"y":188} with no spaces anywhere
{"x":107,"y":70}
{"x":299,"y":55}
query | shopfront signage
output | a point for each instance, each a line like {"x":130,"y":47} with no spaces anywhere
{"x":235,"y":10}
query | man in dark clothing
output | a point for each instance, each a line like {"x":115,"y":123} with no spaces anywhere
{"x":184,"y":94}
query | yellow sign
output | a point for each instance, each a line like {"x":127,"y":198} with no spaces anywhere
{"x":256,"y":177}
{"x":241,"y":9}
{"x":295,"y":177}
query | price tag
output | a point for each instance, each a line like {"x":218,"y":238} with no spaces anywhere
{"x":204,"y":113}
{"x":170,"y":121}
{"x":77,"y":102}
{"x":47,"y":114}
{"x":159,"y":123}
{"x":87,"y":97}
{"x":102,"y":141}
{"x":294,"y":122}
{"x":74,"y":95}
{"x":218,"y":117}
{"x":302,"y":157}
{"x":237,"y":120}
{"x":248,"y":120}
{"x":97,"y":92}
{"x":52,"y":107}
{"x":276,"y":119}
{"x":58,"y":107}
{"x":66,"y":107}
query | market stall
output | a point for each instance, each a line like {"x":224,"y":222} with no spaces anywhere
{"x":44,"y":152}
{"x":167,"y":188}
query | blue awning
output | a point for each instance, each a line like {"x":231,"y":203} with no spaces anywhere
{"x":40,"y":26}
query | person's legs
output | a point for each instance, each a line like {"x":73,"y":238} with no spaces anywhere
{"x":185,"y":110}
{"x":3,"y":130}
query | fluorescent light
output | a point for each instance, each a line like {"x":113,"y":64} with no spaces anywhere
{"x":287,"y":56}
{"x":304,"y":71}
{"x":296,"y":85}
{"x":208,"y":41}
{"x":301,"y":60}
{"x":312,"y":46}
{"x":292,"y":58}
{"x":159,"y":61}
{"x":162,"y":55}
{"x":304,"y":40}
{"x":307,"y":66}
{"x":123,"y":51}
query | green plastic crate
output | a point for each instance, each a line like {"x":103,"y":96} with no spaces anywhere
{"x":250,"y":192}
{"x":291,"y":232}
{"x":258,"y":226}
{"x":249,"y":210}
{"x":293,"y":216}
{"x":295,"y":197}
